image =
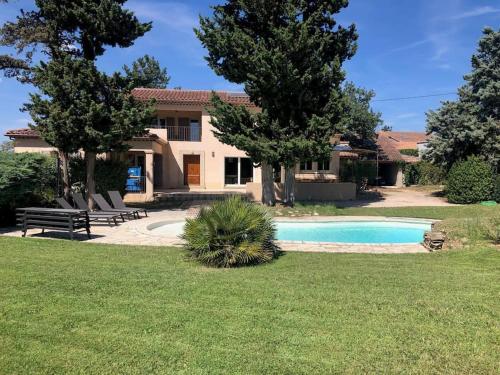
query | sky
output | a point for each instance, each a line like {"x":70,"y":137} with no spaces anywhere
{"x":406,"y":48}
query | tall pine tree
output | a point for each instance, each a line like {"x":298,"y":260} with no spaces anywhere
{"x":471,"y":124}
{"x":73,"y":33}
{"x":288,"y":55}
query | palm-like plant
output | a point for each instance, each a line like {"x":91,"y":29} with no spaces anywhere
{"x":231,"y":233}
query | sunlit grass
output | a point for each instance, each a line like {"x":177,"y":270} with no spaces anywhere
{"x":69,"y":307}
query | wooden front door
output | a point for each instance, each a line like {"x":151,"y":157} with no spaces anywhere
{"x":192,"y":170}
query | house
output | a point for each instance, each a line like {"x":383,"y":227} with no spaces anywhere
{"x":179,"y":153}
{"x":395,"y":149}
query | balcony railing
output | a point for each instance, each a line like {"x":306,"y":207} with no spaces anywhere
{"x":184,"y":133}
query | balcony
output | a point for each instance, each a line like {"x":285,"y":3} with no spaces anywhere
{"x":190,"y":133}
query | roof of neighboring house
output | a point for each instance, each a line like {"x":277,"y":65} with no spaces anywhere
{"x":190,"y":97}
{"x":390,"y":144}
{"x":31,"y":133}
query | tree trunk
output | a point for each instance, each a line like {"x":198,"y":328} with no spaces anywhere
{"x":90,"y":160}
{"x":64,"y":158}
{"x":268,"y":196}
{"x":289,"y":187}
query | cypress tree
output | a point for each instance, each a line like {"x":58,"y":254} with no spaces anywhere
{"x":288,"y":55}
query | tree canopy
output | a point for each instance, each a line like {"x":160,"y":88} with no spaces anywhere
{"x":471,"y":124}
{"x":288,"y":55}
{"x":77,"y":106}
{"x":145,"y":72}
{"x":359,"y":121}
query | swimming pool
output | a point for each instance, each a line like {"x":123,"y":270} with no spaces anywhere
{"x":375,"y":232}
{"x":367,"y":232}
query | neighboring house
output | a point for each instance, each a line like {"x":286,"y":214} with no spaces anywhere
{"x":391,"y":159}
{"x":180,"y":153}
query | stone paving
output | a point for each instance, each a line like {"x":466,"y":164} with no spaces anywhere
{"x":137,"y":232}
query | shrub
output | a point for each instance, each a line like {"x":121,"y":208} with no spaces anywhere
{"x":27,"y":179}
{"x":109,"y":175}
{"x":497,"y":188}
{"x":358,"y":170}
{"x":231,"y":233}
{"x":409,"y":151}
{"x":470,"y":181}
{"x":423,"y":173}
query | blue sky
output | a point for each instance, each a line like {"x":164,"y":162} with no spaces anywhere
{"x":406,"y":48}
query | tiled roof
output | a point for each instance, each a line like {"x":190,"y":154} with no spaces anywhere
{"x":389,"y":144}
{"x":22,"y":133}
{"x":31,"y":133}
{"x":190,"y":97}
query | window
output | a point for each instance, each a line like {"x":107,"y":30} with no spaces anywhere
{"x":324,"y":165}
{"x":162,"y":123}
{"x":238,"y":171}
{"x":154,"y":123}
{"x":183,"y":121}
{"x":306,"y":165}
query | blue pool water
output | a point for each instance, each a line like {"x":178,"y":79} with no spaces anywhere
{"x":353,"y":231}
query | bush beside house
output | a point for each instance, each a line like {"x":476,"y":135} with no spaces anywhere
{"x":358,"y":171}
{"x":27,"y":179}
{"x":409,"y":151}
{"x":470,"y":181}
{"x":109,"y":175}
{"x":423,"y":173}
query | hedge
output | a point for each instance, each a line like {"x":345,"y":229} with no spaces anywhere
{"x":470,"y":181}
{"x":423,"y":173}
{"x":109,"y":175}
{"x":409,"y":151}
{"x":26,"y":179}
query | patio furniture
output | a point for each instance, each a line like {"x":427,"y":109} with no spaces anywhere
{"x":82,"y":204}
{"x":118,"y":202}
{"x":104,"y":205}
{"x":93,"y":216}
{"x":69,"y":220}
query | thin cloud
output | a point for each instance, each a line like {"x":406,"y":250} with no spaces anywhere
{"x":177,"y":16}
{"x":406,"y":115}
{"x":415,"y":44}
{"x":480,"y":11}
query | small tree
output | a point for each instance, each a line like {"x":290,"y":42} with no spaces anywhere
{"x":470,"y":125}
{"x":359,"y":121}
{"x":288,"y":55}
{"x":145,"y":72}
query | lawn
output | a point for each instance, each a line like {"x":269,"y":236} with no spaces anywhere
{"x":69,"y":307}
{"x":434,"y":212}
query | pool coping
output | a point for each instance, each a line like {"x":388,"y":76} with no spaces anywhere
{"x":336,"y":247}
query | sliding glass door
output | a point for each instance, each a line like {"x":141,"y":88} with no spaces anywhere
{"x":238,"y":171}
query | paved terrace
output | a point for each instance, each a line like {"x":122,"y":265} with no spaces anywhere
{"x":136,"y":232}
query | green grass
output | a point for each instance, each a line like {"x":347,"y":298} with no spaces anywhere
{"x":68,"y":307}
{"x":436,"y":212}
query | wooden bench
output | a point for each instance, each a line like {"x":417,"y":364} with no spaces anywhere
{"x":53,"y":218}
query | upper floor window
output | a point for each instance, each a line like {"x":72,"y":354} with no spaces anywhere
{"x":162,"y":123}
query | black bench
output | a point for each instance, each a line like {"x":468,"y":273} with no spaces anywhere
{"x":53,"y":218}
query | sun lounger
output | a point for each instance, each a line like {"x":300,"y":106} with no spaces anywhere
{"x":93,"y":216}
{"x":82,"y":204}
{"x":104,"y":205}
{"x":118,"y":202}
